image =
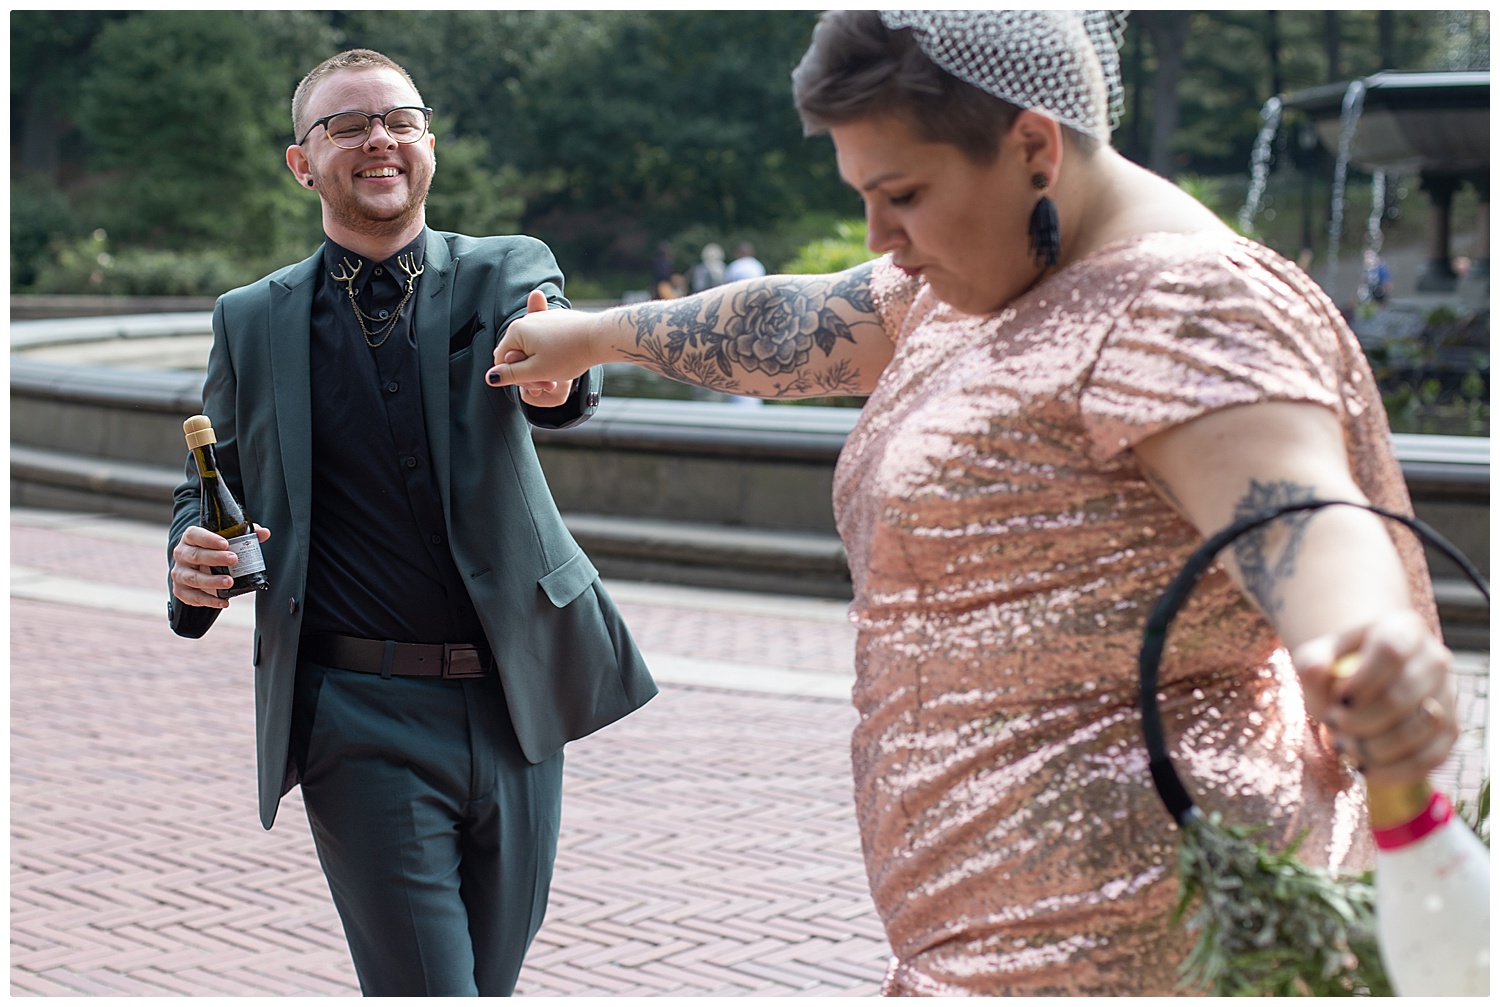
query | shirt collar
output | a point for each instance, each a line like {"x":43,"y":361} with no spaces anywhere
{"x":334,"y":255}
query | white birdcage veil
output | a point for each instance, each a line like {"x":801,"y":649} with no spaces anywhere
{"x":1063,"y":63}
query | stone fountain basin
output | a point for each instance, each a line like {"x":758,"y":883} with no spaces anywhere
{"x":706,"y":493}
{"x":1411,"y":122}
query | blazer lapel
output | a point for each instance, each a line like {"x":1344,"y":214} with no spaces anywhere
{"x":290,"y":340}
{"x":433,"y":317}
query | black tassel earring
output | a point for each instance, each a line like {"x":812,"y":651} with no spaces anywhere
{"x":1043,"y":233}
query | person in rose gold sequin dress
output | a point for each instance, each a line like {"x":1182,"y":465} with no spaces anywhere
{"x":1045,"y":441}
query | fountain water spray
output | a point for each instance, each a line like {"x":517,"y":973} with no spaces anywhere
{"x":1260,"y":162}
{"x":1354,"y":101}
{"x":1374,"y":235}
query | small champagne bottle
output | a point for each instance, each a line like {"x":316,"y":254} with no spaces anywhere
{"x":223,"y":515}
{"x":1432,"y":889}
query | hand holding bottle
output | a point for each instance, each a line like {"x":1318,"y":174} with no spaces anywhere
{"x":221,"y":557}
{"x":197,"y":560}
{"x":1392,"y":710}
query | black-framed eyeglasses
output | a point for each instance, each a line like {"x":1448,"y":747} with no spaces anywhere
{"x":406,"y":124}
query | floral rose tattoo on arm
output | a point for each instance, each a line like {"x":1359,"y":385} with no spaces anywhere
{"x":1265,"y":572}
{"x":783,"y":329}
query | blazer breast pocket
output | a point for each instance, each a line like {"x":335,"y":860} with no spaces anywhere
{"x":463,"y":339}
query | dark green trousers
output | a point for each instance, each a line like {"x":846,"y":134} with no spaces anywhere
{"x":436,"y":835}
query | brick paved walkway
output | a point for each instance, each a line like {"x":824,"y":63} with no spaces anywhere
{"x":708,"y":843}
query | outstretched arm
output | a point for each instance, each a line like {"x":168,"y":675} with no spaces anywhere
{"x":774,"y":337}
{"x":1330,"y":581}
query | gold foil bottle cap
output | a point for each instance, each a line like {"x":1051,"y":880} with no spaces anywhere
{"x":199,"y":431}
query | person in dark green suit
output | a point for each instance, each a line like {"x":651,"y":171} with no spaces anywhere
{"x":432,"y":635}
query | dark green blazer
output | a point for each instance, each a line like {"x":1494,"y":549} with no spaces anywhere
{"x":566,"y":661}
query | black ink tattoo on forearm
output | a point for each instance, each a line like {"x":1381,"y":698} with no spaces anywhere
{"x":775,"y":329}
{"x":1265,"y":577}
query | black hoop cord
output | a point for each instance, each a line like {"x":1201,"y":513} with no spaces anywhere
{"x":1169,"y":785}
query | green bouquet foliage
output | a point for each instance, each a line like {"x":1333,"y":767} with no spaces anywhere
{"x":1270,"y":925}
{"x":1476,"y":815}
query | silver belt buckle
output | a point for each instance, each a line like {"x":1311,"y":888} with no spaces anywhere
{"x":461,"y":661}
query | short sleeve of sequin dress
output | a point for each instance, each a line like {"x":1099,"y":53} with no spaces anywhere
{"x":1205,"y":335}
{"x":1227,"y":322}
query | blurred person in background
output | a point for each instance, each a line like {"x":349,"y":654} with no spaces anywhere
{"x":709,"y":271}
{"x":745,"y":265}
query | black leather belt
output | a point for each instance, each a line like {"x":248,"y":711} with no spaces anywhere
{"x":387,"y":657}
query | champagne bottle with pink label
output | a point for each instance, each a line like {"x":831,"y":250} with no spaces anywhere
{"x":223,"y":515}
{"x":1432,"y":894}
{"x":1432,"y":890}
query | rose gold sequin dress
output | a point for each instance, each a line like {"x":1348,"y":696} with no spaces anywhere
{"x":1005,"y":552}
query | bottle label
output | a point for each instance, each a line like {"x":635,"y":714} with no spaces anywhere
{"x":1437,"y":813}
{"x":247,"y":548}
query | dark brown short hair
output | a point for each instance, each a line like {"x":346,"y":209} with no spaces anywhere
{"x":353,"y":59}
{"x":857,"y":68}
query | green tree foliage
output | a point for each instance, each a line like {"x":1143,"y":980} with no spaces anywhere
{"x":186,"y":113}
{"x":688,"y":112}
{"x":49,"y":57}
{"x":87,"y":265}
{"x":601,"y":131}
{"x":618,"y":128}
{"x":845,"y":250}
{"x":468,"y":195}
{"x":469,"y":66}
{"x":40,"y":221}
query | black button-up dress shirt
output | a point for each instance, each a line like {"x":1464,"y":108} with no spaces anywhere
{"x":379,"y":564}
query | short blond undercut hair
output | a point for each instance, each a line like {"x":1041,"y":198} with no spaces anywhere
{"x":353,"y":59}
